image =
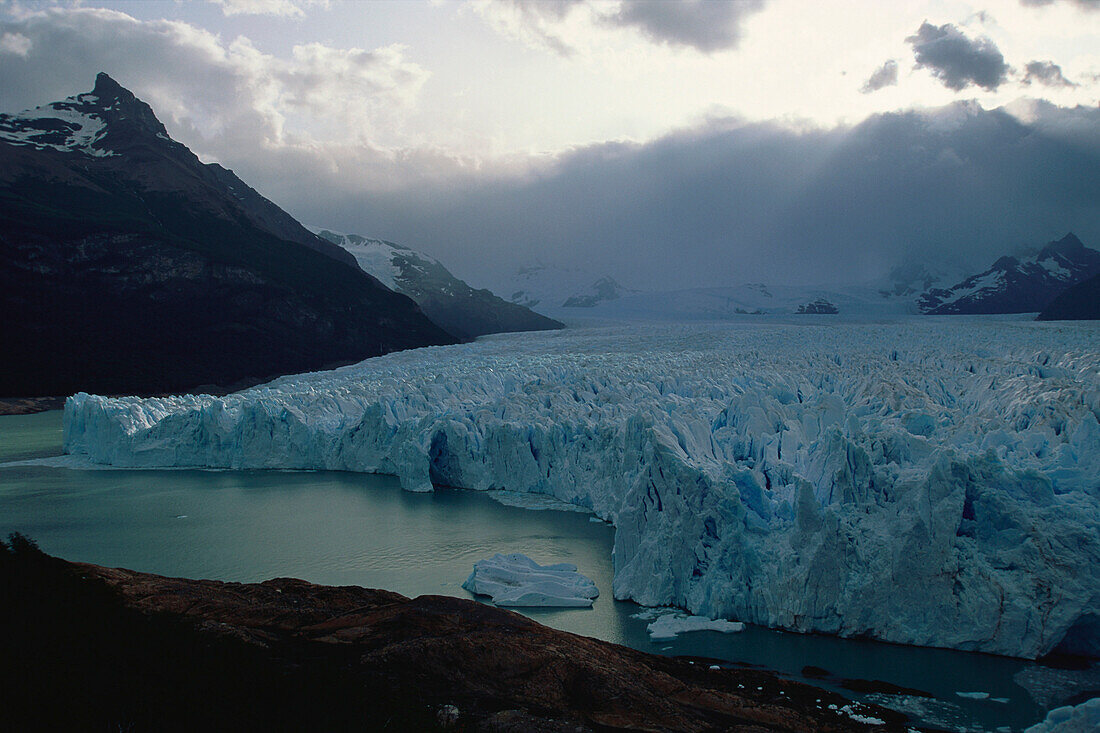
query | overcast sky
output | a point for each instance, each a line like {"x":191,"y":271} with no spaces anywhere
{"x":698,"y":142}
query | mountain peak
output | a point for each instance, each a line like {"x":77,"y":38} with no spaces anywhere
{"x":99,"y":123}
{"x":107,"y":88}
{"x":1066,"y":245}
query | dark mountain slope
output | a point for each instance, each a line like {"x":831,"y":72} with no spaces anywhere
{"x":1079,"y":303}
{"x":127,"y":265}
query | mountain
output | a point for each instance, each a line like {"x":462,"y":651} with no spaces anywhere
{"x":549,"y":289}
{"x":1079,"y":303}
{"x":450,"y":302}
{"x":127,"y":265}
{"x":1012,"y":285}
{"x":598,"y":292}
{"x":748,"y":299}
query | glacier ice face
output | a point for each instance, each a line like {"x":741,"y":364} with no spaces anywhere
{"x":925,"y":482}
{"x":517,"y":580}
{"x":1081,"y":718}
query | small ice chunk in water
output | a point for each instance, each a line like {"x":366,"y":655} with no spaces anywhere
{"x":670,"y":625}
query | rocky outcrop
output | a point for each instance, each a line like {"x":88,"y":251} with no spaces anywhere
{"x":387,"y":661}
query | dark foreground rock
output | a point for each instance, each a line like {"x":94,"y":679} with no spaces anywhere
{"x":92,"y":648}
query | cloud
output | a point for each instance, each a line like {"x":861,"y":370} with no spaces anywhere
{"x":730,"y":202}
{"x":1083,"y":4}
{"x":956,"y":60}
{"x":15,"y":43}
{"x":705,"y":25}
{"x":1046,"y":73}
{"x":538,"y":23}
{"x":233,"y":98}
{"x":884,"y":76}
{"x":280,"y":8}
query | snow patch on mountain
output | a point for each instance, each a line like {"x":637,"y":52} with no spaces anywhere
{"x":460,"y":309}
{"x":384,"y":260}
{"x":922,"y":481}
{"x":74,"y":124}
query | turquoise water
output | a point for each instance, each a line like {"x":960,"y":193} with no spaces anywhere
{"x":355,"y":529}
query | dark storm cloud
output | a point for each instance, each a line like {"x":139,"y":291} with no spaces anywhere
{"x":955,"y":59}
{"x":705,"y":25}
{"x":1046,"y":73}
{"x":733,"y":203}
{"x":884,"y":76}
{"x":1083,"y":4}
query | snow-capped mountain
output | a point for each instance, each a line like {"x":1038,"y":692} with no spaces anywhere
{"x":131,"y":266}
{"x":1012,"y":285}
{"x":604,"y":289}
{"x":447,"y":300}
{"x":547,"y":289}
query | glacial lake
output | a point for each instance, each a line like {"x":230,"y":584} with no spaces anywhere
{"x":354,"y":529}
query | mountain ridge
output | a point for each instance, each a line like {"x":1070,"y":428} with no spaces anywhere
{"x":452,"y":303}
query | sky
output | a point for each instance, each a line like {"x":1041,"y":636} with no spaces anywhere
{"x":668,"y":144}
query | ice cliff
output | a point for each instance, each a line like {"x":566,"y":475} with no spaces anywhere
{"x":921,"y":482}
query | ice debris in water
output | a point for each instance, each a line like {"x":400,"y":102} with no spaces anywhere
{"x":517,"y":580}
{"x":926,"y":481}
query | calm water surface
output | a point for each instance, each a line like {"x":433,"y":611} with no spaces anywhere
{"x":355,"y":529}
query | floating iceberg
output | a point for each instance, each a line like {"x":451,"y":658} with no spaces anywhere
{"x":517,"y":580}
{"x":670,"y":625}
{"x":927,"y":481}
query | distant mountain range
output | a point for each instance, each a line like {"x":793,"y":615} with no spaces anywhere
{"x":546,"y":288}
{"x":450,"y":302}
{"x":127,"y":265}
{"x":1013,"y":285}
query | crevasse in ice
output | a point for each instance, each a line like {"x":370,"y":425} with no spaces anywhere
{"x":926,"y":482}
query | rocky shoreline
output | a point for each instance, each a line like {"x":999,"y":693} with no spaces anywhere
{"x":87,"y":647}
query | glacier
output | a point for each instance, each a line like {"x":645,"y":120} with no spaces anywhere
{"x":516,"y":580}
{"x":922,"y":481}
